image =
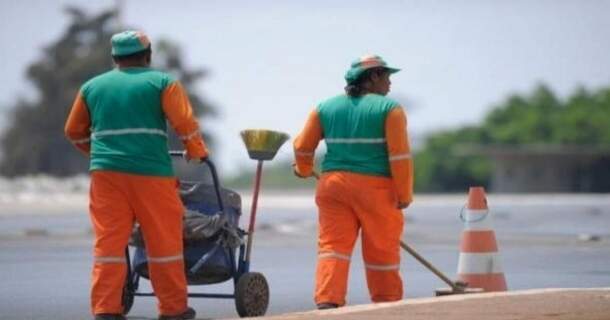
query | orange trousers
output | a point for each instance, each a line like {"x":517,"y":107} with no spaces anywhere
{"x":117,"y":200}
{"x":349,"y":203}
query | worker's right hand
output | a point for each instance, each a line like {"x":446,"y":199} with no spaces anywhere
{"x":298,"y":174}
{"x":402,"y":205}
{"x":186,"y":157}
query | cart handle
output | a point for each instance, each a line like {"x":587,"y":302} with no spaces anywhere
{"x":212,"y":167}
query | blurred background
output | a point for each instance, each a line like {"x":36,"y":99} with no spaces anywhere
{"x":510,"y":95}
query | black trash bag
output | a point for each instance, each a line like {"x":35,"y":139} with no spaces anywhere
{"x":198,"y":228}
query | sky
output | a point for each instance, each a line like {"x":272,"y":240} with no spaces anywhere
{"x":271,"y":62}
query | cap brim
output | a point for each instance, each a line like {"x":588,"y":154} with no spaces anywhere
{"x":353,"y":74}
{"x":392,"y":70}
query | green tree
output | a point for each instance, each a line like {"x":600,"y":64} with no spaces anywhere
{"x":524,"y":119}
{"x":34,"y":141}
{"x":585,"y":119}
{"x":539,"y":118}
{"x":440,"y":167}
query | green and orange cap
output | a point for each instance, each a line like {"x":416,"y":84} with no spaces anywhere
{"x":129,"y":42}
{"x":364,"y":63}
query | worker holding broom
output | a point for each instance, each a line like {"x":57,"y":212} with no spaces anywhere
{"x":119,"y":120}
{"x":367,"y":179}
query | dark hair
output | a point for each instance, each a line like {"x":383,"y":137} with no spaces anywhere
{"x":356,"y":88}
{"x":133,"y":56}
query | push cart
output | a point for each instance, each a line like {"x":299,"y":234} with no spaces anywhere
{"x":210,"y":260}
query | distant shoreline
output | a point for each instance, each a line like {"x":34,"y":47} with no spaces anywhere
{"x":56,"y":201}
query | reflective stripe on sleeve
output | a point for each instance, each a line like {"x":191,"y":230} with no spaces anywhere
{"x":382,"y":267}
{"x":401,"y":156}
{"x":354,"y":140}
{"x":109,"y":259}
{"x":118,"y":132}
{"x":165,"y":259}
{"x":304,"y":154}
{"x":190,"y":135}
{"x":333,"y":255}
{"x":80,"y":141}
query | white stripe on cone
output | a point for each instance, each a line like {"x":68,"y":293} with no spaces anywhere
{"x":479,"y":263}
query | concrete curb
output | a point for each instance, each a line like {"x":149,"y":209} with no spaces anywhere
{"x":598,"y":297}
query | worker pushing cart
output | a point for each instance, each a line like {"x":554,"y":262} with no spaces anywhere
{"x":119,"y":120}
{"x":367,"y":178}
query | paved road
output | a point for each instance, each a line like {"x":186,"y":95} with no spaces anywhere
{"x":544,"y":243}
{"x":47,"y":277}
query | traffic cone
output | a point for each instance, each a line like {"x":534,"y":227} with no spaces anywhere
{"x":479,"y":261}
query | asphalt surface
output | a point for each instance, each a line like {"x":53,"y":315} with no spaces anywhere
{"x":545,"y":242}
{"x":48,"y":277}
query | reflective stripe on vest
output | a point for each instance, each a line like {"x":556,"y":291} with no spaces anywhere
{"x":165,"y":259}
{"x":109,"y":259}
{"x":128,"y":124}
{"x":354,"y":140}
{"x":118,"y":132}
{"x":354,"y":133}
{"x":336,"y":255}
{"x":382,"y":267}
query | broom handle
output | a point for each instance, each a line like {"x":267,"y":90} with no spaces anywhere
{"x":428,"y":265}
{"x":257,"y":185}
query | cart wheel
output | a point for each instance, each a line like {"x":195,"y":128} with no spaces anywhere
{"x":251,"y":295}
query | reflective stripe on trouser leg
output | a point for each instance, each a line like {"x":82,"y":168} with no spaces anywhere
{"x":159,"y":212}
{"x":331,"y":280}
{"x":382,"y":225}
{"x":169,"y":283}
{"x":112,"y":221}
{"x":338,"y":230}
{"x":385,"y":283}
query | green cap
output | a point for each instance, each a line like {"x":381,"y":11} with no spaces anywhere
{"x":364,"y":63}
{"x":128,"y":42}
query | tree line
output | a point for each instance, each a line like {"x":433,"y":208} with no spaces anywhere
{"x":537,"y":118}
